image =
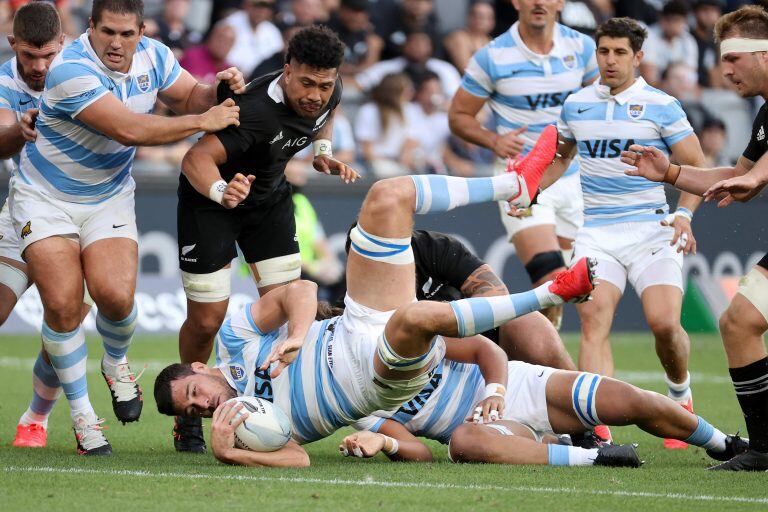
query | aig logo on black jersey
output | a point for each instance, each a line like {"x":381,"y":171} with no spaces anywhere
{"x":293,"y":143}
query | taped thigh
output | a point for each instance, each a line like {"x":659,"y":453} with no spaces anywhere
{"x":396,"y":251}
{"x":281,"y":269}
{"x":213,"y":287}
{"x":754,"y":288}
{"x":583,"y":393}
{"x":13,"y":278}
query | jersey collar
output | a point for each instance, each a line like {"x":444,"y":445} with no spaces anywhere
{"x":604,"y":92}
{"x":20,"y":81}
{"x":537,"y":58}
{"x":275,"y":91}
{"x":114,"y":75}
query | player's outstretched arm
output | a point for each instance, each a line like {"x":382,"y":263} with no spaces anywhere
{"x":11,"y":135}
{"x":109,"y":116}
{"x":392,"y":438}
{"x":323,"y":149}
{"x":743,"y":186}
{"x":223,"y":427}
{"x":566,"y":150}
{"x":686,"y":152}
{"x":188,"y":96}
{"x":492,"y":361}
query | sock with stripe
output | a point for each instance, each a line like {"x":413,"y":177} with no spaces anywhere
{"x":562,"y":455}
{"x":68,"y":354}
{"x":481,"y":314}
{"x":707,"y":436}
{"x":679,"y":392}
{"x":435,"y":194}
{"x":46,"y":389}
{"x":116,"y":336}
{"x":751,"y":385}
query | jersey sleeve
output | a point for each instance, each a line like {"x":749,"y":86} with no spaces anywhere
{"x":674,"y":125}
{"x":477,"y":76}
{"x":755,"y":149}
{"x":168,"y":67}
{"x":7,"y":97}
{"x":444,"y":258}
{"x":372,"y":423}
{"x":562,"y":123}
{"x":589,"y":60}
{"x":253,"y":129}
{"x":71,"y":87}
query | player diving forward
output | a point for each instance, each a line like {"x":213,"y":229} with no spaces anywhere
{"x":71,"y":201}
{"x":743,"y":37}
{"x":627,"y":228}
{"x":541,"y":403}
{"x":384,"y":347}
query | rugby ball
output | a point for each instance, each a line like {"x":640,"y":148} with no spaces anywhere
{"x":266,"y":429}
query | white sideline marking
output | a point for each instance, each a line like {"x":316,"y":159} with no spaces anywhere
{"x":370,"y":482}
{"x":26,"y":363}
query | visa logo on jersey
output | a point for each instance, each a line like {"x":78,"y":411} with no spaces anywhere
{"x":607,"y":148}
{"x":545,"y":100}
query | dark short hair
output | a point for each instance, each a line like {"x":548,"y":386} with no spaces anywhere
{"x":316,"y":46}
{"x":749,"y":22}
{"x":623,"y":27}
{"x":36,"y":23}
{"x":675,"y":8}
{"x":118,"y":7}
{"x":163,"y":382}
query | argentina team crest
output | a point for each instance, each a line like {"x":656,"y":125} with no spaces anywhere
{"x":143,"y":82}
{"x":236,"y":371}
{"x":569,"y":61}
{"x":635,"y":110}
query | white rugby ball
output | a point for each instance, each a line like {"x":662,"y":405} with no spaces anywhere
{"x":266,"y":429}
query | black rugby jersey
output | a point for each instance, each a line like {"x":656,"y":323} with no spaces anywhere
{"x":758,"y":141}
{"x":443,"y":264}
{"x":270,"y":133}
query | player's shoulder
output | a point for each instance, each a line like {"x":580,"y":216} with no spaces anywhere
{"x":585,"y":94}
{"x":650,"y":94}
{"x":574,"y":37}
{"x":6,"y":70}
{"x":72,"y":62}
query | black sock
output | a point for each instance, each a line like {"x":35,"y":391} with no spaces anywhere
{"x":751,"y":385}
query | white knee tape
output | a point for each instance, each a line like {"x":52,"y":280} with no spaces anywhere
{"x":754,"y":288}
{"x":213,"y":287}
{"x":13,"y":278}
{"x":401,"y":364}
{"x":396,"y":251}
{"x":278,"y":270}
{"x":583,"y":395}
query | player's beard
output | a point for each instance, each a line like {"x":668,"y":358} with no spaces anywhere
{"x":36,"y":83}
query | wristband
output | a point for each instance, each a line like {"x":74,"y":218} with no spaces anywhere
{"x":684,"y":212}
{"x":667,"y":175}
{"x":216,"y":192}
{"x":393,"y":445}
{"x":495,"y":390}
{"x":322,"y":147}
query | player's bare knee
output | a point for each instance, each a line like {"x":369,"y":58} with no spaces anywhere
{"x":736,"y":323}
{"x":464,"y":443}
{"x":61,"y":315}
{"x":415,"y":317}
{"x":664,"y":326}
{"x":207,"y":322}
{"x":389,"y":195}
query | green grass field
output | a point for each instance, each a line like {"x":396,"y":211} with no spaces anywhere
{"x":146,"y":474}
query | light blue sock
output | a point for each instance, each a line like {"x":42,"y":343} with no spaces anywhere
{"x":68,"y":353}
{"x":480,"y":314}
{"x":707,"y":436}
{"x":561,"y":455}
{"x":46,"y":389}
{"x":435,"y":194}
{"x":116,"y":336}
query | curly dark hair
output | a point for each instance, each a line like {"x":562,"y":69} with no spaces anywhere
{"x":317,"y":46}
{"x":163,"y":386}
{"x":623,"y":27}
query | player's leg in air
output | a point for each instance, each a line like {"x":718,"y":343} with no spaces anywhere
{"x":576,"y":402}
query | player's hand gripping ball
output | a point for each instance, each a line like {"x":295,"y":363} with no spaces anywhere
{"x":266,"y":429}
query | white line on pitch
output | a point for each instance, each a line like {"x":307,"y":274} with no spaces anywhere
{"x":370,"y":482}
{"x":26,"y":363}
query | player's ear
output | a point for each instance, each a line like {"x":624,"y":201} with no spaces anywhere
{"x":198,"y":367}
{"x":12,"y":40}
{"x":638,"y":57}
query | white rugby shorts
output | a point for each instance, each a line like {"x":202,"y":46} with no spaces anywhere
{"x":9,"y":239}
{"x":37,"y":215}
{"x":634,"y":251}
{"x":560,"y":205}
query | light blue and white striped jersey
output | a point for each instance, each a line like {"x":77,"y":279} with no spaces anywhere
{"x":71,"y":161}
{"x":307,"y":391}
{"x":15,"y":94}
{"x":444,"y":403}
{"x":526,"y":88}
{"x":604,"y":125}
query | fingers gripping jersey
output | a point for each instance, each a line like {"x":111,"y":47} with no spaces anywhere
{"x":444,"y":403}
{"x":70,"y":161}
{"x":307,"y":391}
{"x":604,"y":125}
{"x":527,"y":89}
{"x":15,"y":94}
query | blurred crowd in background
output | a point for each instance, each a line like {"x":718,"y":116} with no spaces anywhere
{"x":404,"y":60}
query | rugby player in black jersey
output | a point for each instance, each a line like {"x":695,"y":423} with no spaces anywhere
{"x":233,"y":192}
{"x":743,"y":39}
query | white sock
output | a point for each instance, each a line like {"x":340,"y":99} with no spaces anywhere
{"x":561,"y":455}
{"x":29,"y":417}
{"x":679,"y":392}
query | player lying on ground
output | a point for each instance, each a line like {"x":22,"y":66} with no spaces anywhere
{"x":384,"y":347}
{"x":541,"y":403}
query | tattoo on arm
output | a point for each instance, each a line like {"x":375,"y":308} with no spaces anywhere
{"x":483,"y":282}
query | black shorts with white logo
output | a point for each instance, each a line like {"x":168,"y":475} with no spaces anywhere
{"x":207,"y":232}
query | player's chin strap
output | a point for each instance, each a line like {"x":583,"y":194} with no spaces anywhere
{"x":741,"y":45}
